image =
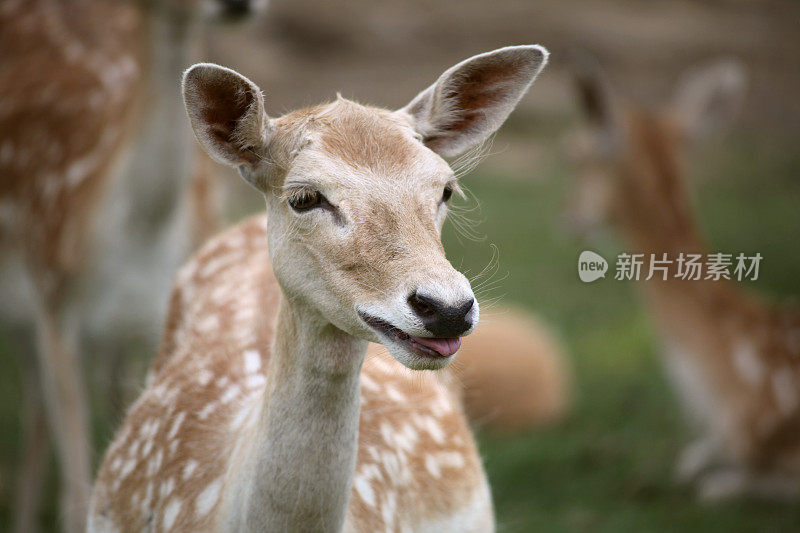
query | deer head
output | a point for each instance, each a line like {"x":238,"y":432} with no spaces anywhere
{"x":356,"y":196}
{"x":629,"y":158}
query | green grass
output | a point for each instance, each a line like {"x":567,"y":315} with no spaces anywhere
{"x":608,"y":466}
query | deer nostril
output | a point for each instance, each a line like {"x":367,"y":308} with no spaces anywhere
{"x":425,"y":307}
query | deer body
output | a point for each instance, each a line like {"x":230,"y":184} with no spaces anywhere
{"x":70,"y":75}
{"x":734,"y":359}
{"x":261,"y":411}
{"x":80,"y":206}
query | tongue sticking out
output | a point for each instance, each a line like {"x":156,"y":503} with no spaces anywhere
{"x":444,"y":347}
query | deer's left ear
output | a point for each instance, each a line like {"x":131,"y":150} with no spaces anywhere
{"x":708,"y":99}
{"x":472,"y":99}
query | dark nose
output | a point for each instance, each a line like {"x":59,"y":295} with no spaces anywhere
{"x":235,"y":8}
{"x":439,"y":318}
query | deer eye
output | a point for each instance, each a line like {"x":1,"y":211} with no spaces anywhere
{"x":306,"y":199}
{"x":448,"y":192}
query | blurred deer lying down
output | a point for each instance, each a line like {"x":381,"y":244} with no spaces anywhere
{"x":96,"y":206}
{"x":734,"y":359}
{"x":514,"y":373}
{"x":261,"y":411}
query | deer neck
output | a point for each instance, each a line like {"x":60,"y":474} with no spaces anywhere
{"x":162,"y":164}
{"x":683,"y":310}
{"x":148,"y":201}
{"x":656,"y":217}
{"x":300,"y":466}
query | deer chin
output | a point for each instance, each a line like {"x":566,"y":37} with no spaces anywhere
{"x":414,"y":352}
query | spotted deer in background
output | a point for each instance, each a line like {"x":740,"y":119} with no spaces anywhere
{"x":261,"y":411}
{"x":734,"y":359}
{"x":81,"y":85}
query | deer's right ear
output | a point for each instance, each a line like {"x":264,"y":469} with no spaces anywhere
{"x":227,"y":114}
{"x":472,"y":99}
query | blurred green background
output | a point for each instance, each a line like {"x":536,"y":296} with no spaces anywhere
{"x":608,"y":466}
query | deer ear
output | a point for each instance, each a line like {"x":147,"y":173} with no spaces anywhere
{"x":597,"y":101}
{"x":709,"y":98}
{"x":227,"y":114}
{"x":472,"y":99}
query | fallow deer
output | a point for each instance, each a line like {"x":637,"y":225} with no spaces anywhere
{"x":261,"y":411}
{"x":734,"y":359}
{"x":73,"y":78}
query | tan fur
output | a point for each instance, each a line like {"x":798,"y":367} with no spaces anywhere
{"x":514,"y":373}
{"x":734,"y":358}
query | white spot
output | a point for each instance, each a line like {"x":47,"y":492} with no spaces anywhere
{"x":148,"y":445}
{"x":433,"y":466}
{"x":204,"y":377}
{"x":252,"y":361}
{"x":255,"y":381}
{"x":406,"y":438}
{"x":171,"y":513}
{"x":442,"y":405}
{"x":127,"y":468}
{"x":208,"y":324}
{"x":747,"y":363}
{"x":208,"y":498}
{"x":82,"y":168}
{"x":154,"y":466}
{"x":451,"y":459}
{"x":176,"y":424}
{"x":231,"y":393}
{"x":167,"y":487}
{"x":207,"y":410}
{"x":364,"y":489}
{"x":433,"y":428}
{"x":391,"y":464}
{"x":148,"y":497}
{"x":370,"y":384}
{"x":387,"y":432}
{"x":389,"y":510}
{"x":134,"y":448}
{"x":785,"y":390}
{"x":394,"y":394}
{"x":189,"y":468}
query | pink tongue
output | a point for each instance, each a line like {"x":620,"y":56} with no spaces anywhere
{"x":445,"y":347}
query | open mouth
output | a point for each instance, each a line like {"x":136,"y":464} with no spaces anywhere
{"x":422,"y":346}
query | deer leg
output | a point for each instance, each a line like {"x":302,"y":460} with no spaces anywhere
{"x":66,"y":408}
{"x":697,"y":458}
{"x":779,"y":486}
{"x":35,"y":451}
